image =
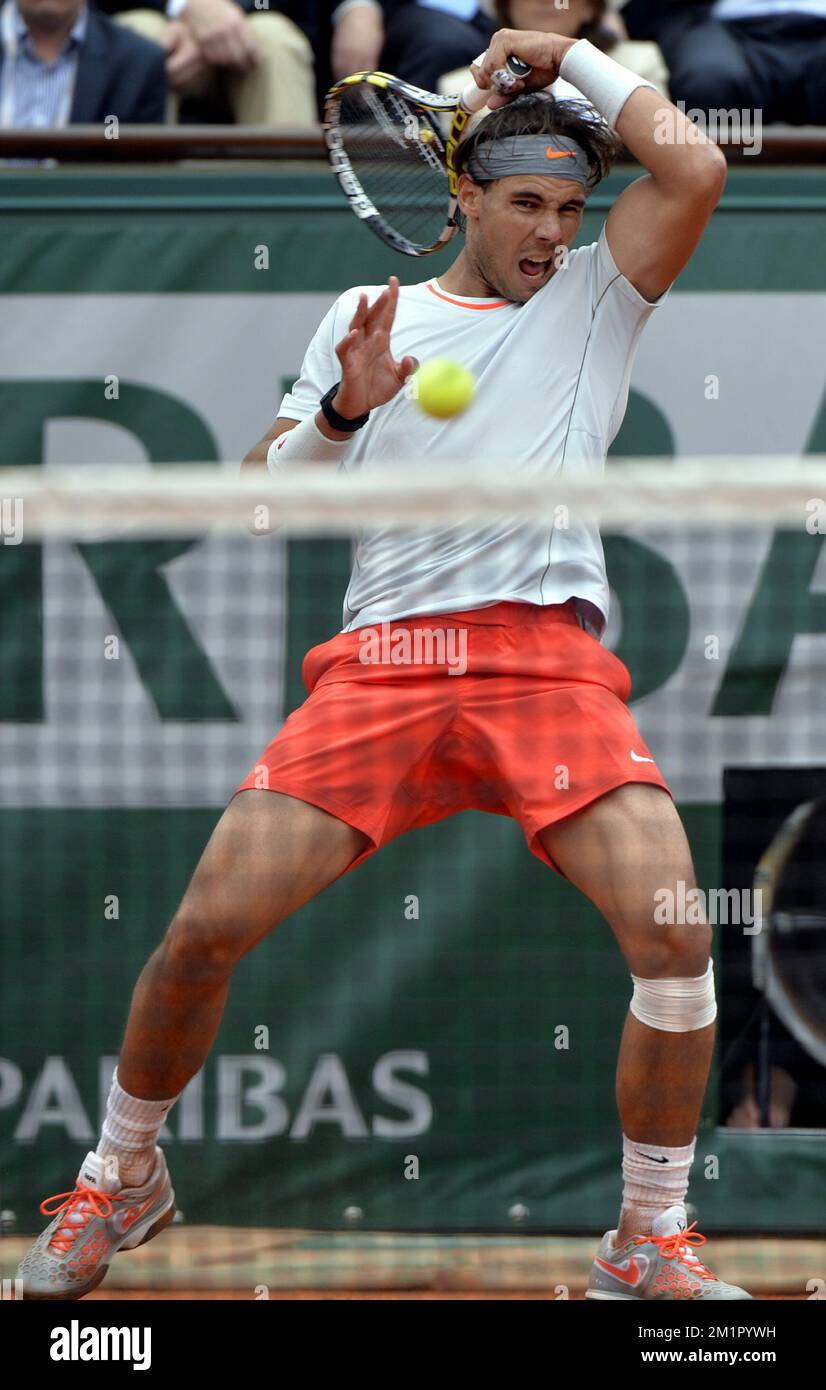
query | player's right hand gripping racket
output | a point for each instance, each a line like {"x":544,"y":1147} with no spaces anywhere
{"x":388,"y":149}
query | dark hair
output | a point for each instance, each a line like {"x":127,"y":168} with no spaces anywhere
{"x":594,"y":31}
{"x":540,"y":113}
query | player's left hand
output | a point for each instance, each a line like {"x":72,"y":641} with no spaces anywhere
{"x":544,"y":53}
{"x":370,"y":375}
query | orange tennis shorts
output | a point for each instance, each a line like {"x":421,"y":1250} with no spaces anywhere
{"x":513,"y":709}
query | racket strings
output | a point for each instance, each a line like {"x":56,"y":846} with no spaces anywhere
{"x":397,"y":152}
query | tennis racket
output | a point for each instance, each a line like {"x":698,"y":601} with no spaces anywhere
{"x":392,"y":146}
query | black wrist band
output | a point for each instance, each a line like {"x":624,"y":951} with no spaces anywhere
{"x":331,"y":415}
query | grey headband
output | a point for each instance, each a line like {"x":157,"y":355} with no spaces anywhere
{"x":552,"y":156}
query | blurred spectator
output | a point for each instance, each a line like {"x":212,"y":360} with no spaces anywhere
{"x":357,"y":37}
{"x":796,"y":1085}
{"x":62,"y":63}
{"x":582,"y":19}
{"x":414,"y":39}
{"x":743,"y":55}
{"x":345,"y":36}
{"x":426,"y":38}
{"x":782,"y":1092}
{"x":256,"y":60}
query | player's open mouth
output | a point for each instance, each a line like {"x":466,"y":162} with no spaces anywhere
{"x":533,"y":269}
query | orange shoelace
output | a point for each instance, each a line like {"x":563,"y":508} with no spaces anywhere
{"x":678,"y":1246}
{"x":83,"y":1203}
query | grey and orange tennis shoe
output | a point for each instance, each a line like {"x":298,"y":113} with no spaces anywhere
{"x":91,"y":1224}
{"x":660,"y":1266}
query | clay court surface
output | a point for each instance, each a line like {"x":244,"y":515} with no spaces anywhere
{"x":213,"y":1263}
{"x":324,"y":1296}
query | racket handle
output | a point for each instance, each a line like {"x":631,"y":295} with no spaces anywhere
{"x":474,"y":98}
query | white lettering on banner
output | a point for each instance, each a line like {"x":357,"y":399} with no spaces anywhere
{"x":250,"y":1086}
{"x":402,"y":1095}
{"x":329,"y":1100}
{"x":54,"y":1102}
{"x":180,"y":762}
{"x":11,"y":1083}
{"x":255,"y":1099}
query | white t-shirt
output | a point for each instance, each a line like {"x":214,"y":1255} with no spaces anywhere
{"x":552,"y":386}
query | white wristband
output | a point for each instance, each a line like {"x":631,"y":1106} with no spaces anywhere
{"x":606,"y":84}
{"x":304,"y":443}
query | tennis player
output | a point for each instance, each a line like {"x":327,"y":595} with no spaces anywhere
{"x":381,"y":745}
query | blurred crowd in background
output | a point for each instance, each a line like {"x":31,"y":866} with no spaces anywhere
{"x":265,"y":63}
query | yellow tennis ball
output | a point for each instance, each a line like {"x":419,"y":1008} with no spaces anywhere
{"x":443,"y":388}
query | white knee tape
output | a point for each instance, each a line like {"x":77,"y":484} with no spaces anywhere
{"x":675,"y":1006}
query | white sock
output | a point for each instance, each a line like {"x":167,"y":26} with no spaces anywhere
{"x":654,"y":1179}
{"x":130,"y":1132}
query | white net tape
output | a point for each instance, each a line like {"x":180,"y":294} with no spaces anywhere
{"x":172,"y":500}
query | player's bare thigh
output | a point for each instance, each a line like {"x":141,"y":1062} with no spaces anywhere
{"x":620,"y":851}
{"x":268,"y":854}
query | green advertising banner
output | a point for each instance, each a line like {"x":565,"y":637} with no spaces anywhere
{"x":433,"y":1041}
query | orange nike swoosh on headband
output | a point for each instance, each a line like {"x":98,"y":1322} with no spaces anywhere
{"x":559,"y":154}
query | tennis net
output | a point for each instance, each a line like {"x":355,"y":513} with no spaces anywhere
{"x":391,"y":1060}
